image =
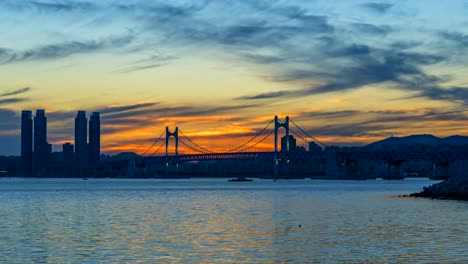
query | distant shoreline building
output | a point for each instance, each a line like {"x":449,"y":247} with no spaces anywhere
{"x":292,"y":143}
{"x":94,"y":144}
{"x":42,"y":150}
{"x":26,"y":142}
{"x":81,"y":136}
{"x":313,"y":147}
{"x":68,"y":152}
{"x":36,"y":153}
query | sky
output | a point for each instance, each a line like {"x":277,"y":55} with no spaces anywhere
{"x":348,"y":72}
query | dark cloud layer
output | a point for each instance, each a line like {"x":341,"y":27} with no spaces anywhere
{"x":380,"y":8}
{"x":173,"y":111}
{"x":9,"y":120}
{"x":376,"y":123}
{"x":305,"y":49}
{"x":49,"y":6}
{"x":12,"y":100}
{"x":62,"y":50}
{"x":10,"y":97}
{"x":16,"y":92}
{"x":117,"y":109}
{"x":289,"y":44}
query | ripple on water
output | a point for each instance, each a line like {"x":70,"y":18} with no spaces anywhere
{"x":211,"y":221}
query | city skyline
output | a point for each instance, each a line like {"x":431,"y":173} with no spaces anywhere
{"x":351,"y":72}
{"x":37,"y":154}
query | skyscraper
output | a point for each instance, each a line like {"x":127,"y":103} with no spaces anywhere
{"x":26,"y":142}
{"x":94,"y":145}
{"x":313,"y":147}
{"x":81,"y":136}
{"x":292,"y":143}
{"x":41,"y":148}
{"x":67,"y":152}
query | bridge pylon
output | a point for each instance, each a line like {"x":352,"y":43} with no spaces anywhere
{"x":278,"y":125}
{"x":172,"y":162}
{"x":174,"y":134}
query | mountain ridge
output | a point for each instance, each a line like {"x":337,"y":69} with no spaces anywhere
{"x":421,"y":141}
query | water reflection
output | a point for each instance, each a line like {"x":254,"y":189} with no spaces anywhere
{"x":212,"y":221}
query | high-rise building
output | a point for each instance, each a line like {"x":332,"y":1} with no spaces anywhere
{"x":81,"y":136}
{"x":313,"y":147}
{"x":292,"y":143}
{"x":41,"y":147}
{"x":26,"y":142}
{"x":94,"y":145}
{"x":67,"y":152}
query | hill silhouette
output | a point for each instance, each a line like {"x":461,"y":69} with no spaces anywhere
{"x":424,"y":142}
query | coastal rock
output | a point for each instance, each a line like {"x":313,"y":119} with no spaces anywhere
{"x":456,"y":188}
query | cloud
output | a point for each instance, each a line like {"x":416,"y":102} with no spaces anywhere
{"x":268,"y":95}
{"x":16,"y":92}
{"x":154,"y":61}
{"x":62,"y":50}
{"x":49,"y":6}
{"x":453,"y":94}
{"x":352,"y":123}
{"x":455,"y":37}
{"x":10,"y":121}
{"x":380,"y":8}
{"x":125,"y":108}
{"x":330,"y":115}
{"x":61,"y":6}
{"x":141,"y":67}
{"x":364,"y":65}
{"x":154,"y":111}
{"x":9,"y":132}
{"x":12,"y":100}
{"x":372,"y":29}
{"x":260,"y":26}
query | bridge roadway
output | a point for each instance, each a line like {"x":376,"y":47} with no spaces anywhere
{"x":405,"y":156}
{"x":235,"y":156}
{"x":348,"y":155}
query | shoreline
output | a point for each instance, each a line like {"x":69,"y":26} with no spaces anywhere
{"x":451,"y":189}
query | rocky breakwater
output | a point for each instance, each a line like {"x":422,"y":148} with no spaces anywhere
{"x":456,"y":188}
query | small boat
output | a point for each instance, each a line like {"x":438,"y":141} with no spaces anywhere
{"x":240,"y":179}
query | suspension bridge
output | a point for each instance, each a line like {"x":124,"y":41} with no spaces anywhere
{"x":252,"y":144}
{"x":256,"y":157}
{"x":251,"y":149}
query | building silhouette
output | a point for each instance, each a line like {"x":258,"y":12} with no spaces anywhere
{"x":314,"y":147}
{"x":42,"y":149}
{"x":26,"y":142}
{"x":68,"y":152}
{"x":292,"y":143}
{"x":81,"y":135}
{"x":94,"y":145}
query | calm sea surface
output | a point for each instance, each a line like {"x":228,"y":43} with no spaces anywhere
{"x":215,"y":221}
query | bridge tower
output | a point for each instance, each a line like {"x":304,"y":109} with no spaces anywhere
{"x":172,"y":162}
{"x":278,"y":125}
{"x":174,"y":134}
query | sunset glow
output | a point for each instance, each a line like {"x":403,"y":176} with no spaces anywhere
{"x":349,"y":73}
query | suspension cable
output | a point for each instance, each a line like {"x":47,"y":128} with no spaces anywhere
{"x":260,"y":141}
{"x":160,"y":146}
{"x":297,"y":135}
{"x":190,"y":147}
{"x":200,"y":147}
{"x":154,"y":143}
{"x":250,"y":140}
{"x":307,"y":134}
